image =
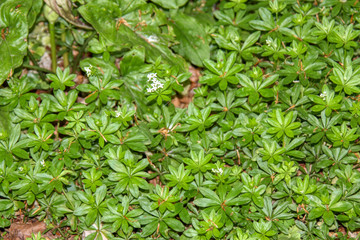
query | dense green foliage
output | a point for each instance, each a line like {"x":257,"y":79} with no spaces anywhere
{"x":267,"y":149}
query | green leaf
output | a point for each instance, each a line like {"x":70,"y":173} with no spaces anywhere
{"x":205,"y":202}
{"x":100,"y":194}
{"x":185,"y":216}
{"x":149,"y":228}
{"x":193,"y":41}
{"x":174,"y":224}
{"x":101,"y":15}
{"x":170,"y":4}
{"x":5,"y":204}
{"x":91,"y":217}
{"x":328,"y":217}
{"x":14,"y":31}
{"x":315,"y":213}
{"x":209,"y":194}
{"x":251,"y":40}
{"x":117,"y":166}
{"x":341,"y":206}
{"x":82,"y":210}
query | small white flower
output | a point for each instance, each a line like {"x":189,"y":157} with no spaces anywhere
{"x":217,"y":170}
{"x":153,"y":39}
{"x":118,"y":112}
{"x":323,"y":95}
{"x":88,"y":71}
{"x":21,"y":169}
{"x":151,"y":76}
{"x":156,"y":84}
{"x":268,"y":42}
{"x":42,"y":162}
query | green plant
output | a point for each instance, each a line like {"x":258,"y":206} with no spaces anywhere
{"x":178,"y":119}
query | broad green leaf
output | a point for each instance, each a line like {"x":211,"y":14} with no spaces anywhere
{"x":5,"y":204}
{"x":14,"y":31}
{"x":102,"y":14}
{"x":174,"y":224}
{"x":170,"y":4}
{"x":193,"y":41}
{"x":149,"y":228}
{"x":341,"y":206}
{"x":315,"y":213}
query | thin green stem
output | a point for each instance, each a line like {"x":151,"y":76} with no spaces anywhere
{"x":61,"y":232}
{"x":40,"y":69}
{"x":36,"y":66}
{"x":63,"y":39}
{"x":276,"y":64}
{"x":81,"y":52}
{"x":53,"y":46}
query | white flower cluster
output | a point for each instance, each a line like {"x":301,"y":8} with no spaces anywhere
{"x":217,"y":170}
{"x":155,"y":85}
{"x":42,"y":162}
{"x":118,"y":112}
{"x":88,"y":71}
{"x":323,"y":95}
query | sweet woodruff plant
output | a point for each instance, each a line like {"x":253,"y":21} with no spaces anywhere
{"x":178,"y":119}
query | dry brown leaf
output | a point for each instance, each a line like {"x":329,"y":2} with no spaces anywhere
{"x":21,"y":231}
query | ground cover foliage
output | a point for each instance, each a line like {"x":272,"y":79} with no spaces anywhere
{"x":267,"y":148}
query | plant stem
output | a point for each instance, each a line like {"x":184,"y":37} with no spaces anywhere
{"x":36,"y":66}
{"x":53,"y":46}
{"x":61,"y":232}
{"x":40,"y":69}
{"x":82,"y":49}
{"x":63,"y":39}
